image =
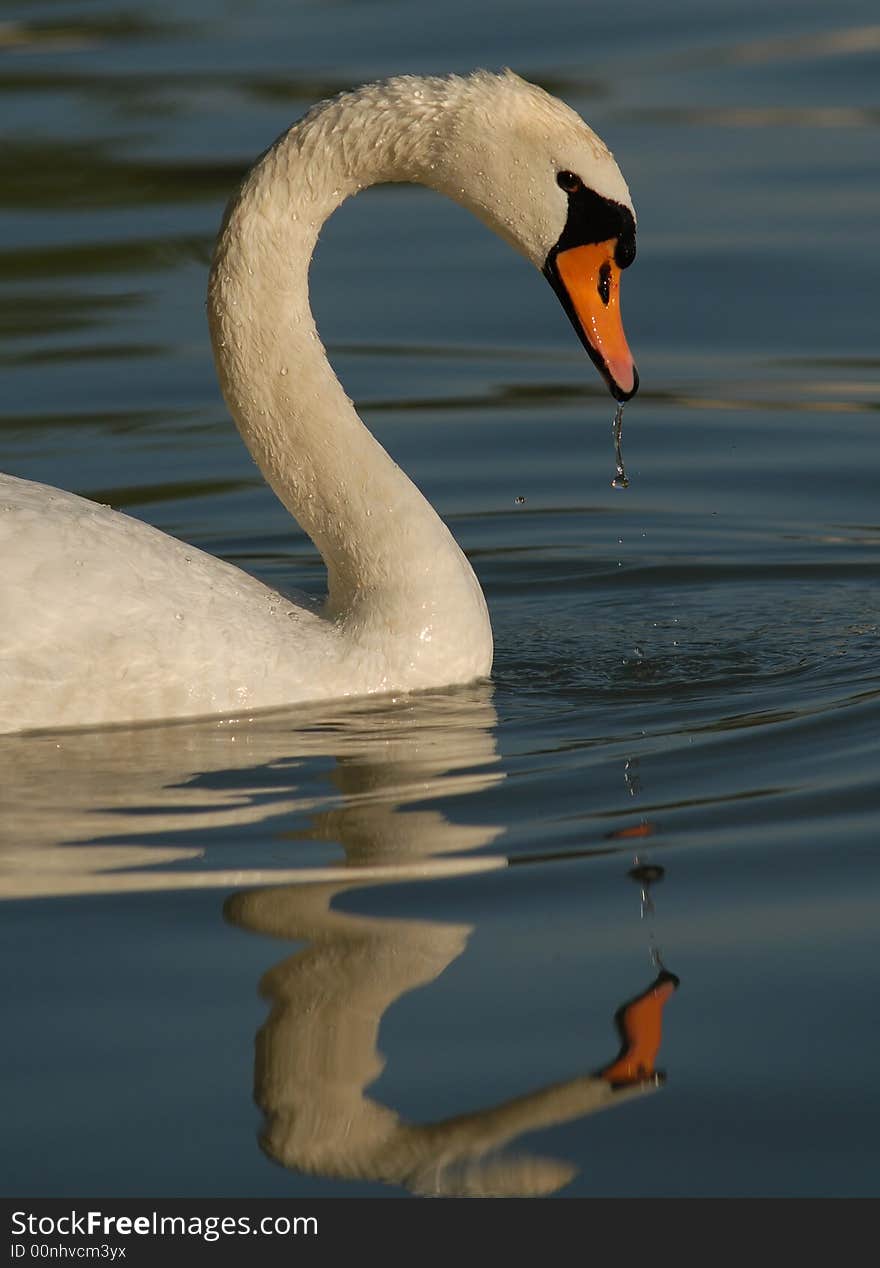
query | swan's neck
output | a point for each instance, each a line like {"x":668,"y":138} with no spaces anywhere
{"x":389,"y":557}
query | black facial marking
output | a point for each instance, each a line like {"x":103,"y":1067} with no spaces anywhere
{"x":592,"y":218}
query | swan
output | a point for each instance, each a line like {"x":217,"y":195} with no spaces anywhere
{"x":104,"y":619}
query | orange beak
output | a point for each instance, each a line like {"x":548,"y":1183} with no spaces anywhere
{"x":587,"y":281}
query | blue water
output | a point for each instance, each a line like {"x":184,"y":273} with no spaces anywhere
{"x":687,"y":673}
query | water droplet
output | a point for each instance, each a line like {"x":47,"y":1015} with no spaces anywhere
{"x":620,"y":481}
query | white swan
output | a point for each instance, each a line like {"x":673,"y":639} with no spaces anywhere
{"x":103,"y":619}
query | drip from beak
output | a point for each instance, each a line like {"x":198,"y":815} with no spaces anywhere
{"x":587,"y":282}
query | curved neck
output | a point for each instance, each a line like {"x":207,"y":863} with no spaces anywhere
{"x":375,"y":531}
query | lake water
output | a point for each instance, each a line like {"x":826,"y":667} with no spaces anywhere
{"x":378,"y":948}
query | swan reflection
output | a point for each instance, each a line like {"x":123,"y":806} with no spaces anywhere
{"x":317,"y":1054}
{"x":367,"y":794}
{"x":148,"y":808}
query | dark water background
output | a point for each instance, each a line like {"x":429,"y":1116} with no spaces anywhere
{"x":687,"y":673}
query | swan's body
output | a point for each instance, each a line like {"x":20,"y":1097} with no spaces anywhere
{"x":104,"y":619}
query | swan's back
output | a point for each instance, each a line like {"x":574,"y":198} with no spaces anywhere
{"x":108,"y":619}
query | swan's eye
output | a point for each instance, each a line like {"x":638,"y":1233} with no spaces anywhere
{"x":569,"y":182}
{"x":604,"y":287}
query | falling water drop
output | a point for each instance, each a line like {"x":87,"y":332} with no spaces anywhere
{"x":620,"y":481}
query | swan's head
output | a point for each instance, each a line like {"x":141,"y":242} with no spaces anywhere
{"x":529,"y":166}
